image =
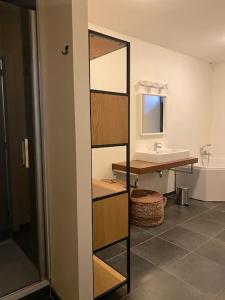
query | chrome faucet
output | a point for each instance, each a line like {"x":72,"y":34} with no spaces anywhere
{"x":205,"y":153}
{"x":204,"y":150}
{"x":157,"y":146}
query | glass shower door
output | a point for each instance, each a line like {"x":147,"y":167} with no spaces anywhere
{"x":22,"y":251}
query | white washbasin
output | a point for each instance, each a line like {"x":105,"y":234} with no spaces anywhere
{"x":163,"y":155}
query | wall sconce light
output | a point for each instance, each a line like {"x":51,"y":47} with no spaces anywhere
{"x":153,"y":85}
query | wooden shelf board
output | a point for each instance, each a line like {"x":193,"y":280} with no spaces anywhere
{"x":144,"y":167}
{"x":105,"y":277}
{"x":109,"y":116}
{"x":100,"y":45}
{"x":110,"y":220}
{"x":108,"y":145}
{"x":102,"y":188}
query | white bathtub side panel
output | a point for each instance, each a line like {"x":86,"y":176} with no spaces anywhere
{"x":205,"y":184}
{"x":199,"y":185}
{"x":196,"y":182}
{"x":215,"y":185}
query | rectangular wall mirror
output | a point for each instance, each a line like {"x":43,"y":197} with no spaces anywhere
{"x":152,"y":114}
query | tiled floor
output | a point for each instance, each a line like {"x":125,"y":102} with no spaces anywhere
{"x":183,"y":259}
{"x":16,"y":270}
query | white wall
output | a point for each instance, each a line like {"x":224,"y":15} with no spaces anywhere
{"x":188,"y":104}
{"x":83,"y":147}
{"x":218,"y":110}
{"x":109,"y":72}
{"x":102,"y":159}
{"x":66,"y":130}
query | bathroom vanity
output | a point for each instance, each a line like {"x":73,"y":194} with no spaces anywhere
{"x":143,"y":167}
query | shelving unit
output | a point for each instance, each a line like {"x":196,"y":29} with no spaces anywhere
{"x":110,"y":116}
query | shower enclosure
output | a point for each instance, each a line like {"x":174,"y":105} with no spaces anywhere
{"x":22,"y":242}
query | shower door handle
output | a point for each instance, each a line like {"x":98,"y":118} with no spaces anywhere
{"x":25,"y":153}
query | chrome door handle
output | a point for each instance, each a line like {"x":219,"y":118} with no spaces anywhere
{"x":25,"y":153}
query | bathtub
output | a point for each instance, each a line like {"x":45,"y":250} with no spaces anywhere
{"x":207,"y":183}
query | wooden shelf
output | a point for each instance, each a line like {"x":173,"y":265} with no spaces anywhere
{"x":102,"y":188}
{"x":105,"y":277}
{"x":110,"y":201}
{"x":101,"y":45}
{"x":109,"y":115}
{"x":144,"y":167}
{"x":110,"y":220}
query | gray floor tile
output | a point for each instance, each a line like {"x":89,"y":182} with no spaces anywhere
{"x":159,"y":252}
{"x":8,"y":253}
{"x":220,"y":296}
{"x":171,"y":201}
{"x":16,"y":270}
{"x":203,"y":226}
{"x":206,"y":204}
{"x":202,"y":273}
{"x":163,"y":286}
{"x":215,"y":216}
{"x":141,"y":270}
{"x":116,"y":295}
{"x":165,"y":226}
{"x":180,"y":214}
{"x":111,"y":251}
{"x":138,"y":236}
{"x":214,"y":250}
{"x":184,"y":238}
{"x":221,"y":236}
{"x":220,"y":206}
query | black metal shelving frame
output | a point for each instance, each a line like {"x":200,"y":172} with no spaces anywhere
{"x":127,"y":145}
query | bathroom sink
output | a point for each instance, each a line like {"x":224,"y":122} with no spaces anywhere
{"x":163,"y":155}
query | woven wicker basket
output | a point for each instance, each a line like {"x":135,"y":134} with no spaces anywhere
{"x":147,"y":208}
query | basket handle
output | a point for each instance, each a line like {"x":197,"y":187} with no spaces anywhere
{"x":165,"y":201}
{"x":144,"y":193}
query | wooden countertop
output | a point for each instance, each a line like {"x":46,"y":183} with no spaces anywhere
{"x":144,"y":167}
{"x":101,"y":188}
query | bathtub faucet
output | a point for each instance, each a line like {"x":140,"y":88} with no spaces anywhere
{"x":205,"y":154}
{"x":204,"y":150}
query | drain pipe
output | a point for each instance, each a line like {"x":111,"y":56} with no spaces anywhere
{"x":160,"y":174}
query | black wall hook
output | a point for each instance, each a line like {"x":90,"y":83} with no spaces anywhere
{"x":66,"y":50}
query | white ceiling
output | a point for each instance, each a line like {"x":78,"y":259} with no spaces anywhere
{"x":193,"y":27}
